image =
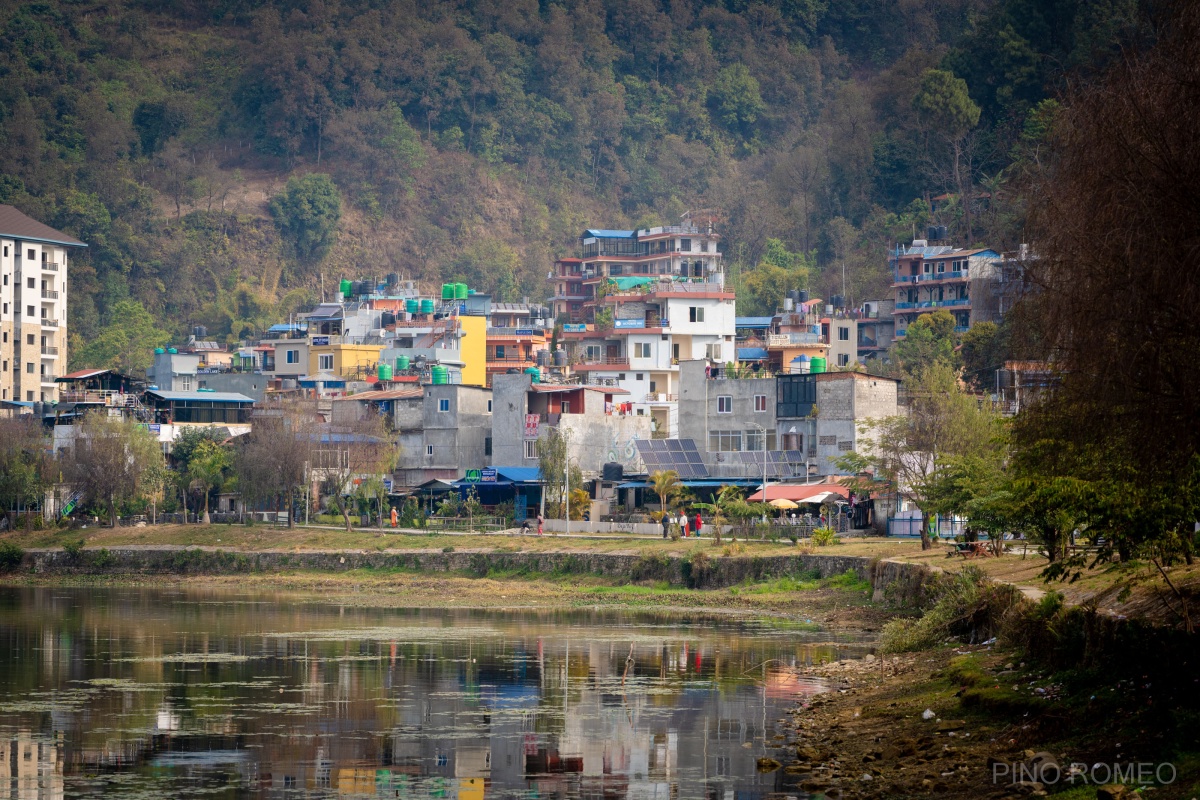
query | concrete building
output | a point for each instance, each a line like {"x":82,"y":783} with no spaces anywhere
{"x":598,"y":426}
{"x":846,"y":400}
{"x":33,"y":307}
{"x":637,"y":304}
{"x":927,"y":278}
{"x":876,"y":328}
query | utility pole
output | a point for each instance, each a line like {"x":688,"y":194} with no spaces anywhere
{"x":566,"y":482}
{"x":763,"y":431}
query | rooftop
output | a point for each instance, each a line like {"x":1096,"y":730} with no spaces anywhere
{"x":219,"y":397}
{"x":543,"y":388}
{"x":19,"y":226}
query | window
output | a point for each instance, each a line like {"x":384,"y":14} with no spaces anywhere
{"x":185,"y":383}
{"x":487,"y":445}
{"x":499,"y":352}
{"x":760,"y":402}
{"x":653,"y":387}
{"x":325,"y":361}
{"x":443,"y":404}
{"x":641,"y":349}
{"x":566,"y":407}
{"x":843,"y":360}
{"x":704,"y":246}
{"x":593,"y":352}
{"x":675,"y":353}
{"x":695,"y":314}
{"x":713,"y":351}
{"x":29,"y":396}
{"x":941,"y":266}
{"x":30,"y":311}
{"x":843,"y":334}
{"x":639,"y":376}
{"x":29,"y":367}
{"x":754,"y":441}
{"x":292,"y":356}
{"x":6,"y":308}
{"x":724,"y":404}
{"x":531,"y":448}
{"x":6,"y":255}
{"x":489,"y":410}
{"x":31,"y":283}
{"x":31,"y":255}
{"x":685,"y":245}
{"x":428,"y":449}
{"x":725,"y":441}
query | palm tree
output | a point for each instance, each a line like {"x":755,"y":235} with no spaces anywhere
{"x":666,"y":485}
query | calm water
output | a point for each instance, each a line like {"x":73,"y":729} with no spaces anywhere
{"x":154,"y":694}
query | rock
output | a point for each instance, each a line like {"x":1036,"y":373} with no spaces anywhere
{"x":866,"y":777}
{"x":1112,"y":791}
{"x":928,"y":714}
{"x":947,"y":725}
{"x":808,"y":753}
{"x":767,"y":765}
{"x":870,"y":658}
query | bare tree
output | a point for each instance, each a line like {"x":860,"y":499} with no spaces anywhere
{"x":115,"y":461}
{"x":272,"y":461}
{"x":23,"y":467}
{"x":346,"y":455}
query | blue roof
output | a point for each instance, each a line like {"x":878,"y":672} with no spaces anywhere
{"x":751,"y":353}
{"x":520,"y":474}
{"x":752,"y":322}
{"x":602,"y":233}
{"x":284,"y":327}
{"x":219,"y":397}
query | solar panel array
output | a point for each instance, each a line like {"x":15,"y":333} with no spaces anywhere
{"x":681,"y":455}
{"x":780,"y":463}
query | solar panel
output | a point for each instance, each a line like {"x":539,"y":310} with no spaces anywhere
{"x":689,"y":445}
{"x":650,"y":459}
{"x":795,"y":456}
{"x":674,"y":445}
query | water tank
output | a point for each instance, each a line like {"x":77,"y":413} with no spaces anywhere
{"x":837,"y":301}
{"x":612,"y":471}
{"x":943,"y":232}
{"x":411,"y":305}
{"x":788,"y":304}
{"x":426,"y":306}
{"x":931,"y":232}
{"x":200,"y":331}
{"x":385,"y":372}
{"x":447,"y":291}
{"x":387,"y":318}
{"x":172,"y":350}
{"x":363,"y":288}
{"x":158,"y":351}
{"x":470,"y":292}
{"x":289,"y":383}
{"x":535,"y":374}
{"x":460,"y":291}
{"x":802,"y":295}
{"x":560,"y":357}
{"x":393,"y":278}
{"x":543,"y":358}
{"x":402,"y":363}
{"x":439,"y":375}
{"x":345,"y":287}
{"x":817,"y":365}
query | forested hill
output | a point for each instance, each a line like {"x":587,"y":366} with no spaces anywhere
{"x":475,"y":139}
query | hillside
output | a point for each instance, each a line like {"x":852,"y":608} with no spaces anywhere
{"x":475,"y":139}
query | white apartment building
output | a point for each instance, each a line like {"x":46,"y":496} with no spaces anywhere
{"x":649,"y":299}
{"x":33,"y":307}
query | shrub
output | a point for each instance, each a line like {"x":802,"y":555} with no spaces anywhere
{"x":73,"y":549}
{"x":963,"y":604}
{"x":10,"y":556}
{"x":823,"y":537}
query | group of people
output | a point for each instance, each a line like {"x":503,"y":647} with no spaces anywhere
{"x":668,"y":519}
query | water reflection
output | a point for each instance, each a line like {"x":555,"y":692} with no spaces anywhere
{"x":122,"y":693}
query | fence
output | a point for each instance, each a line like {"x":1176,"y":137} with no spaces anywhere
{"x":462,"y":524}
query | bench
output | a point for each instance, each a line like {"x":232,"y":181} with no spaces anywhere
{"x":970,"y":549}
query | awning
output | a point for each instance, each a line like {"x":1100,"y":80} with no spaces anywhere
{"x":751,"y":353}
{"x":799,"y":492}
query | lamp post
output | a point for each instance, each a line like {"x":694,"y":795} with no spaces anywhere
{"x":566,"y":481}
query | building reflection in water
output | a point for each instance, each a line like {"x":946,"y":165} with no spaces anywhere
{"x":136,"y":693}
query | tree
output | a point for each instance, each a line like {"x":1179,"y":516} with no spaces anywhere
{"x":945,"y":103}
{"x":115,"y":461}
{"x":1113,"y":215}
{"x":736,"y":100}
{"x":908,"y":451}
{"x":126,"y":342}
{"x":927,"y":343}
{"x":984,"y":348}
{"x":778,"y":271}
{"x":206,"y":470}
{"x":666,"y":485}
{"x":346,"y":455}
{"x":307,"y":215}
{"x":553,"y":453}
{"x":272,"y":461}
{"x":24,"y":466}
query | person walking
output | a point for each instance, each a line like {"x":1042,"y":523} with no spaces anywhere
{"x":540,"y":524}
{"x":683,"y":524}
{"x":699,"y":523}
{"x":666,"y":523}
{"x":395,"y":516}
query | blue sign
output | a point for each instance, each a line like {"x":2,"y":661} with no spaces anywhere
{"x":524,"y":331}
{"x":630,"y":323}
{"x":487,"y":475}
{"x":574,"y":327}
{"x":320,"y":340}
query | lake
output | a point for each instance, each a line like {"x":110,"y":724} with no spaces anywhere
{"x":138,"y":693}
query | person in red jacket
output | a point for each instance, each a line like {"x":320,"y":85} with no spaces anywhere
{"x":699,"y":523}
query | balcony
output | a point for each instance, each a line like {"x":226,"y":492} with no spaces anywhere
{"x":50,"y":266}
{"x":49,"y":294}
{"x":49,"y":351}
{"x":49,"y":323}
{"x":956,"y":302}
{"x":660,"y":397}
{"x":790,"y":339}
{"x":603,"y":362}
{"x":48,"y":377}
{"x":933,"y":276}
{"x":528,"y":332}
{"x":512,"y":360}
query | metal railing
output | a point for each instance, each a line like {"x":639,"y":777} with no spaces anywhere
{"x":784,"y":339}
{"x":49,"y":323}
{"x":602,"y":361}
{"x":50,"y":266}
{"x":47,"y":350}
{"x":49,"y":294}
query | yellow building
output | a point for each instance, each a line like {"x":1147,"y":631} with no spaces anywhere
{"x":352,"y":361}
{"x":473,"y":350}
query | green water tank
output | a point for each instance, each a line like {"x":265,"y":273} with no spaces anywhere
{"x":470,"y":292}
{"x":426,"y":306}
{"x":385,"y":372}
{"x":440,"y":375}
{"x":460,"y":291}
{"x":411,"y":305}
{"x":535,"y":374}
{"x":402,"y":363}
{"x":172,"y":350}
{"x":817,"y":365}
{"x":346,"y":286}
{"x":158,"y":351}
{"x":447,"y":291}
